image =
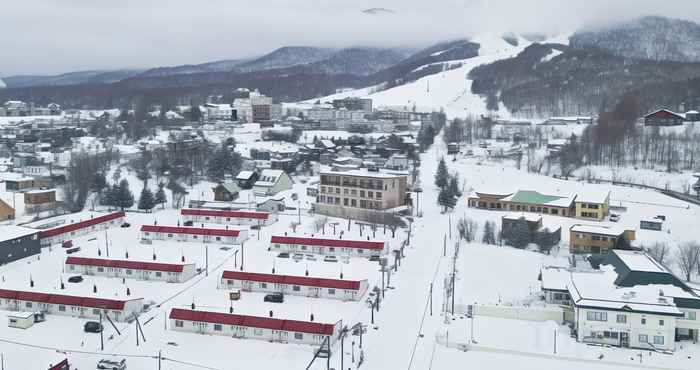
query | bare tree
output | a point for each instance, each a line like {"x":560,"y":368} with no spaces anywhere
{"x":660,"y":252}
{"x":293,"y":225}
{"x":320,"y":223}
{"x":687,"y":258}
{"x":467,"y":229}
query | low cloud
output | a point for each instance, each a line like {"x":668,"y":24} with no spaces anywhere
{"x":49,"y":36}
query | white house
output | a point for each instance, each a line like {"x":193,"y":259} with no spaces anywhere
{"x":63,"y":232}
{"x":228,"y":217}
{"x":193,"y":234}
{"x":59,"y":304}
{"x":347,"y":290}
{"x":253,"y":327}
{"x":554,"y":280}
{"x":306,"y":244}
{"x":169,"y":272}
{"x":272,"y":182}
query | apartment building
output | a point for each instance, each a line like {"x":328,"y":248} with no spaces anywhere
{"x":598,"y":239}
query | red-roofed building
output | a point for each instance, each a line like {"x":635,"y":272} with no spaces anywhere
{"x":663,"y":117}
{"x":193,"y":234}
{"x":241,"y":217}
{"x":349,"y":290}
{"x":346,"y":247}
{"x":59,"y":234}
{"x":69,"y":305}
{"x":63,"y":365}
{"x":146,"y":270}
{"x":253,"y":327}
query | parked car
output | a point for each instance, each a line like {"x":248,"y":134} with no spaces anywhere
{"x":67,"y":244}
{"x":75,"y":279}
{"x":189,"y":223}
{"x":112,"y":364}
{"x":374,"y":258}
{"x":283,"y":255}
{"x":255,"y":227}
{"x":93,"y":327}
{"x":125,"y":225}
{"x":274,"y":297}
{"x":311,"y":257}
{"x":72,"y":250}
{"x":298,"y":257}
{"x":614,"y":217}
{"x":330,"y":259}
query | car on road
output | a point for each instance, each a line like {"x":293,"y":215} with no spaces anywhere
{"x":297,"y":257}
{"x":330,"y":259}
{"x":75,"y":279}
{"x":125,"y":225}
{"x":311,"y":257}
{"x":67,"y":244}
{"x":274,"y":297}
{"x":112,"y":364}
{"x":374,"y":258}
{"x":93,"y":327}
{"x":189,"y":223}
{"x":283,"y":255}
{"x":614,"y":217}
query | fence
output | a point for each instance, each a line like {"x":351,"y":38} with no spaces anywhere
{"x":555,"y":314}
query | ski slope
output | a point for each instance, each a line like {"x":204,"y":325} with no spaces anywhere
{"x":448,"y":90}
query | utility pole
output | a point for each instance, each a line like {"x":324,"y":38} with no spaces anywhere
{"x":372,"y":311}
{"x":431,"y":299}
{"x":342,"y":351}
{"x":444,"y":246}
{"x":299,"y":208}
{"x":242,"y":256}
{"x":206,"y":256}
{"x":106,"y":243}
{"x":449,"y":225}
{"x":159,"y":359}
{"x":555,"y":341}
{"x":102,"y":339}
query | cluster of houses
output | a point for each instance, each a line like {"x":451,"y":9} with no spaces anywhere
{"x":630,"y":300}
{"x":16,"y":108}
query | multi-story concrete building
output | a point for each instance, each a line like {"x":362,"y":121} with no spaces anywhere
{"x":344,"y":193}
{"x":353,"y":104}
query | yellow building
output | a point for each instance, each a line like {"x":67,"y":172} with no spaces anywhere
{"x":596,"y":239}
{"x":593,"y":206}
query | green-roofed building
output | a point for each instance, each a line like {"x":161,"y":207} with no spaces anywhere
{"x":226,"y":192}
{"x":525,"y":201}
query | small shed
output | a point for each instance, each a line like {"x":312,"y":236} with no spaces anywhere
{"x":226,"y":192}
{"x":651,"y":224}
{"x":21,"y":320}
{"x":246,"y":179}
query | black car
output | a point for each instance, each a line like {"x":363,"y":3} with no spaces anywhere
{"x":274,"y":297}
{"x":283,"y":255}
{"x":374,"y":258}
{"x":93,"y":327}
{"x":126,"y":224}
{"x":189,"y":223}
{"x":75,"y":279}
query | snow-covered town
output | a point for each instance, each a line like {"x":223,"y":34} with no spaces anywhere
{"x":402,"y":208}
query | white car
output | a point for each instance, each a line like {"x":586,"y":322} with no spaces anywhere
{"x":298,"y":257}
{"x":614,"y":217}
{"x":112,"y":364}
{"x":311,"y":257}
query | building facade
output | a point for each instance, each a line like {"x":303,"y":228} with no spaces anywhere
{"x":18,"y":242}
{"x":141,"y":270}
{"x":59,"y":234}
{"x":335,"y":247}
{"x":598,"y":239}
{"x":228,"y":217}
{"x":193,"y":234}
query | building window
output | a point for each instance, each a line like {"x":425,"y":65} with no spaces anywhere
{"x":159,"y":274}
{"x":643,"y":338}
{"x":263,"y":285}
{"x":644,"y":321}
{"x":689,"y":315}
{"x":178,"y":323}
{"x":621,"y":319}
{"x":258,"y":332}
{"x":296,"y":288}
{"x":658,"y":339}
{"x":331,"y":291}
{"x":100,"y":269}
{"x":28,"y":304}
{"x":217,"y":327}
{"x":298,"y":336}
{"x":128,"y":272}
{"x":62,"y":308}
{"x":597,"y":316}
{"x":661,"y":322}
{"x":95,"y":311}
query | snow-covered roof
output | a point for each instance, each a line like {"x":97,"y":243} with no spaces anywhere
{"x":362,"y":173}
{"x":597,"y":290}
{"x":554,"y":277}
{"x":244,"y":175}
{"x":10,"y":232}
{"x":638,"y":261}
{"x":598,"y":229}
{"x":591,"y":196}
{"x":537,"y":198}
{"x":531,"y":217}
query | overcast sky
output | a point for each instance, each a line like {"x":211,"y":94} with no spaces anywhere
{"x":55,"y":36}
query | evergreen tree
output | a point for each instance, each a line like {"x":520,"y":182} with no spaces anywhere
{"x":109,"y":196}
{"x":195,"y":113}
{"x":520,"y":236}
{"x":146,"y":200}
{"x":160,"y":195}
{"x":442,"y":176}
{"x":124,"y":198}
{"x":453,"y":186}
{"x":446,"y":200}
{"x":223,"y":161}
{"x":489,"y":236}
{"x":99,"y":182}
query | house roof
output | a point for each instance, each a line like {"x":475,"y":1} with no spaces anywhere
{"x":292,"y":280}
{"x":531,"y":217}
{"x":135,"y":265}
{"x":244,"y":175}
{"x":322,"y":242}
{"x":10,"y":232}
{"x":597,"y":229}
{"x":80,"y":225}
{"x":664,"y":113}
{"x":537,"y":198}
{"x":230,"y":187}
{"x":554,"y":277}
{"x":227,"y":214}
{"x":189,"y":230}
{"x":590,"y":196}
{"x":112,"y":304}
{"x":252,"y":321}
